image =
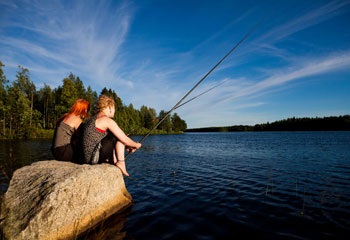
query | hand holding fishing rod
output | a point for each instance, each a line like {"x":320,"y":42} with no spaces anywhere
{"x":178,"y":104}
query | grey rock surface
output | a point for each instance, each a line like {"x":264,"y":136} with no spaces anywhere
{"x":61,"y":200}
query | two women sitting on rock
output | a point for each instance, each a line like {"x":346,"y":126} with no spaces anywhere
{"x":101,"y":140}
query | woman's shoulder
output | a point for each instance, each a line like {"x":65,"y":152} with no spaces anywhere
{"x":105,"y":123}
{"x":64,"y":125}
{"x":73,"y":120}
{"x":103,"y":120}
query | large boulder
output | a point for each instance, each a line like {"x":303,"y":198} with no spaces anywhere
{"x":61,"y":200}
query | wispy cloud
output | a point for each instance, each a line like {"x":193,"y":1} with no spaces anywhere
{"x":281,"y":77}
{"x":295,"y":68}
{"x":102,"y":43}
{"x":242,"y":94}
{"x":307,"y":20}
{"x":85,"y":38}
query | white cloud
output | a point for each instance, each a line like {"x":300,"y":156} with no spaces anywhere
{"x":85,"y":38}
{"x":311,"y":18}
{"x":93,"y":41}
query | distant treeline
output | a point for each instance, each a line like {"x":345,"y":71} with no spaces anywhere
{"x":26,"y":112}
{"x":341,"y":123}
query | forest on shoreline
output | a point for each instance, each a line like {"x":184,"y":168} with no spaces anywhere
{"x":340,"y":123}
{"x":28,"y":113}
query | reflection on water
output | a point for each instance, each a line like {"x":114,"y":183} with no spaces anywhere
{"x":15,"y":154}
{"x":273,"y":185}
{"x":112,"y":228}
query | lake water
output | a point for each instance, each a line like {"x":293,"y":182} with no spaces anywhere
{"x":260,"y":185}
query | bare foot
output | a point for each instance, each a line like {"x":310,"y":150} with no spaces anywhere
{"x":121,"y":165}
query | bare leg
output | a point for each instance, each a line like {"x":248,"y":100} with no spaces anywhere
{"x":120,"y":161}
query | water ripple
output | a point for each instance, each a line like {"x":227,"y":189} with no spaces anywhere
{"x":273,"y":185}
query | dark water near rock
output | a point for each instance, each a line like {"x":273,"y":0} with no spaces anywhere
{"x":266,"y":185}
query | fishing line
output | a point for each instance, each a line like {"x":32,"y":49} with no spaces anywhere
{"x":200,"y":94}
{"x":137,"y":130}
{"x":201,"y":80}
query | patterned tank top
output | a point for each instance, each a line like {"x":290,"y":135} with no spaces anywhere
{"x":90,"y":141}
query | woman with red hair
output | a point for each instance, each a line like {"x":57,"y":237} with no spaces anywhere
{"x":64,"y":137}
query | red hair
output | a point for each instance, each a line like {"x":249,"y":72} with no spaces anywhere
{"x":80,"y":108}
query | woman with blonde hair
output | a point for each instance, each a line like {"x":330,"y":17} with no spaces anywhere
{"x":101,"y":140}
{"x":63,"y":144}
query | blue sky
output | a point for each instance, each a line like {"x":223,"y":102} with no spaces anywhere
{"x":295,"y":64}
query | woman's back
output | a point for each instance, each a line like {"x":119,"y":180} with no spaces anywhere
{"x":89,"y":141}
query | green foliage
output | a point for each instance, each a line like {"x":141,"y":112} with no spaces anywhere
{"x":308,"y":124}
{"x":28,"y":113}
{"x":20,"y":111}
{"x":179,"y":125}
{"x":148,"y":117}
{"x":91,"y":97}
{"x":72,"y":90}
{"x":166,"y":124}
{"x":341,"y":123}
{"x":3,"y":99}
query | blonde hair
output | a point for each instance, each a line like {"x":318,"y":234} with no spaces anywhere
{"x":104,"y":102}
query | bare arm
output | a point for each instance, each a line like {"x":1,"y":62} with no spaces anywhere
{"x":111,"y":125}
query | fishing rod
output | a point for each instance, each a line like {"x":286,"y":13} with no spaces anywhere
{"x":200,"y":95}
{"x":199,"y":82}
{"x":136,"y":131}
